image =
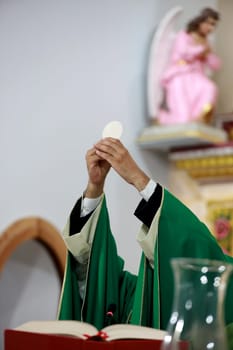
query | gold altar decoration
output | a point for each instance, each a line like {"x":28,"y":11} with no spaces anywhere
{"x":206,"y":163}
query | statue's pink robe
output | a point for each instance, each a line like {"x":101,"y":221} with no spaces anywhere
{"x":188,"y":89}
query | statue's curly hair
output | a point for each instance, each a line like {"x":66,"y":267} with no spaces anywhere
{"x":206,"y":13}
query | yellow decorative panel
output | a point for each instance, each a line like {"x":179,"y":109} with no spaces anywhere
{"x":220,"y":218}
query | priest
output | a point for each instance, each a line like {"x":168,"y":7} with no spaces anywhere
{"x":96,"y":288}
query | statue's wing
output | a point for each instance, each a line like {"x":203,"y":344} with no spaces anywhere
{"x":158,"y":58}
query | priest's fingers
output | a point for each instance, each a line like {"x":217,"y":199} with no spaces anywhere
{"x":91,"y":156}
{"x":115,"y":153}
{"x":111,"y":146}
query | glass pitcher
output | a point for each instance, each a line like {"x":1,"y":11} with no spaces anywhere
{"x":197,"y":318}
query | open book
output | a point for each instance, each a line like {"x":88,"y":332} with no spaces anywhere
{"x":87,"y":331}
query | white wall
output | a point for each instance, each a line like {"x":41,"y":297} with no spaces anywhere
{"x":224,"y":46}
{"x":29,"y":287}
{"x":67,"y":68}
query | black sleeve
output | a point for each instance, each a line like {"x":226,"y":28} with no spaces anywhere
{"x":76,"y":222}
{"x":146,"y":211}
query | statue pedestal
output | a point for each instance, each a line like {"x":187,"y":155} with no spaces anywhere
{"x":167,"y":137}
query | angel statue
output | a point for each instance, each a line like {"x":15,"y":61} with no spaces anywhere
{"x":179,"y":87}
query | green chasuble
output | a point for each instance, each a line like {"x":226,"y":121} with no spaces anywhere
{"x":145,"y":299}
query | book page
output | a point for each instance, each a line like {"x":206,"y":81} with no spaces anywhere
{"x":80,"y":329}
{"x":72,"y":328}
{"x":130,"y":331}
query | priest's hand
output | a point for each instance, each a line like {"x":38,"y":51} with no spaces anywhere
{"x":98,"y":169}
{"x":115,"y":153}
